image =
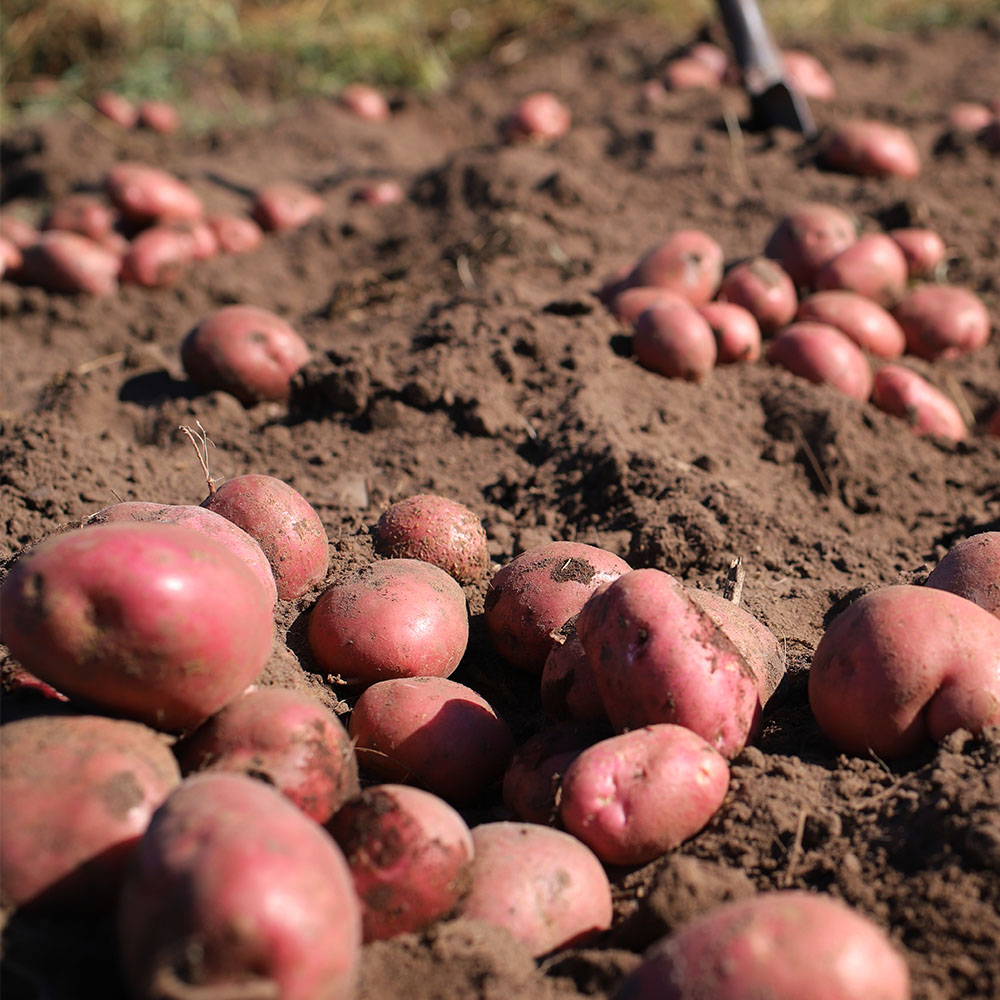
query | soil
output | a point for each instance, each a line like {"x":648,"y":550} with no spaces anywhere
{"x":460,"y":349}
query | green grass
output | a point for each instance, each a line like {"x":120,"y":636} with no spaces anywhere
{"x":56,"y":51}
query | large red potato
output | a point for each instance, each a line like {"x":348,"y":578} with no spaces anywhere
{"x":904,"y":393}
{"x":902,"y":665}
{"x":675,"y":340}
{"x":68,"y":262}
{"x":942,"y":321}
{"x":432,"y":731}
{"x":633,"y":797}
{"x":809,"y":236}
{"x":972,"y":570}
{"x":784,"y":945}
{"x":392,"y":618}
{"x":248,"y":352}
{"x":688,"y":262}
{"x":873,"y":266}
{"x":410,"y":855}
{"x":870,"y":326}
{"x":762,"y":286}
{"x":544,"y":886}
{"x":284,"y":524}
{"x":822,"y":354}
{"x":657,"y":657}
{"x":145,"y":194}
{"x":538,"y":592}
{"x":153,"y":621}
{"x":284,"y":737}
{"x":232,"y":891}
{"x":76,"y":794}
{"x":871,"y":148}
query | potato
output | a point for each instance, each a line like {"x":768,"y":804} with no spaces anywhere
{"x":284,"y":524}
{"x":437,"y":530}
{"x":202,"y":241}
{"x":285,"y":205}
{"x":248,"y":352}
{"x":68,"y":262}
{"x":284,"y":737}
{"x":146,"y":195}
{"x":942,"y":321}
{"x":712,"y":56}
{"x":431,"y":730}
{"x":538,"y":592}
{"x":968,"y":116}
{"x":199,"y":519}
{"x":688,"y":262}
{"x":805,"y":239}
{"x":687,"y":73}
{"x":157,"y":258}
{"x":542,"y":885}
{"x":366,"y":102}
{"x":804,"y":71}
{"x":783,"y":945}
{"x":10,"y":256}
{"x":872,"y":266}
{"x":657,"y":657}
{"x":379,"y":193}
{"x":822,"y":354}
{"x":153,"y":621}
{"x":971,"y":569}
{"x":871,"y":327}
{"x":902,"y":665}
{"x":235,"y":233}
{"x":630,"y":303}
{"x":923,"y":249}
{"x":392,"y":618}
{"x":76,"y":794}
{"x":675,"y":340}
{"x":633,"y":797}
{"x":232,"y":891}
{"x":540,"y":117}
{"x":568,"y":689}
{"x":83,"y":214}
{"x":904,"y":393}
{"x":117,"y":108}
{"x":763,"y":288}
{"x":158,"y":116}
{"x":870,"y":149}
{"x":737,"y":333}
{"x":410,"y":855}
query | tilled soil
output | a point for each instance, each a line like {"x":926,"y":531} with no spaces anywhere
{"x":460,"y":349}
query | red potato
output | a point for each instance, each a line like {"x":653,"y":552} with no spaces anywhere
{"x":871,"y":327}
{"x":540,"y":117}
{"x":712,"y":56}
{"x":762,"y":287}
{"x":10,"y":256}
{"x":153,"y":621}
{"x":83,"y":214}
{"x":433,"y":731}
{"x":158,"y":116}
{"x":68,"y":262}
{"x":157,"y":258}
{"x":633,"y":797}
{"x":568,"y":688}
{"x":873,"y":266}
{"x":392,"y":618}
{"x":688,"y":73}
{"x":235,"y":233}
{"x":380,"y":193}
{"x":248,"y":352}
{"x":538,"y":591}
{"x":822,"y":354}
{"x":284,"y":524}
{"x":902,"y":665}
{"x":904,"y":393}
{"x":782,"y":945}
{"x":923,"y":249}
{"x":438,"y":531}
{"x":410,"y":855}
{"x":942,"y":321}
{"x":76,"y":794}
{"x":808,"y":237}
{"x":365,"y":102}
{"x":657,"y":657}
{"x":117,"y":108}
{"x":232,"y":891}
{"x":688,"y":262}
{"x":146,"y":195}
{"x":544,"y":886}
{"x":630,"y":303}
{"x":674,"y":340}
{"x":871,"y":148}
{"x":203,"y":244}
{"x":972,"y":570}
{"x":198,"y":519}
{"x":809,"y":75}
{"x":968,"y":116}
{"x":286,"y":205}
{"x":284,"y":737}
{"x":737,"y":333}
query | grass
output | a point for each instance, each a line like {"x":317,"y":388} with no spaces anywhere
{"x":56,"y":51}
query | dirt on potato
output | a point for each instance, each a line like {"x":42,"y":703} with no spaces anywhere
{"x":460,"y":349}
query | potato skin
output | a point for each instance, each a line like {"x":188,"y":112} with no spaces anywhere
{"x":902,"y":665}
{"x":871,"y":149}
{"x":71,"y":263}
{"x":392,"y":618}
{"x":871,"y":327}
{"x":285,"y":205}
{"x":971,"y":569}
{"x":923,"y":249}
{"x":81,"y":213}
{"x":544,"y":886}
{"x":568,"y":689}
{"x":235,"y":233}
{"x":873,"y":266}
{"x":762,"y":286}
{"x":942,"y":321}
{"x":675,"y":340}
{"x":366,"y":102}
{"x":904,"y":393}
{"x":630,"y":303}
{"x":737,"y":332}
{"x":633,"y":797}
{"x":76,"y":794}
{"x":806,"y":72}
{"x":823,"y":355}
{"x":152,"y":621}
{"x":231,"y":884}
{"x":145,"y":194}
{"x":687,"y":262}
{"x":657,"y":657}
{"x":156,"y":258}
{"x":809,"y":236}
{"x":784,"y":945}
{"x":540,"y":117}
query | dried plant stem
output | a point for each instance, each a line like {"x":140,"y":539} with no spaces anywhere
{"x":733,"y":590}
{"x":200,"y":441}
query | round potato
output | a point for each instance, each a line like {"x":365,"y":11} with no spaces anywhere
{"x":539,"y":117}
{"x":763,"y":287}
{"x":157,"y":257}
{"x":675,"y":340}
{"x":688,"y":262}
{"x":923,"y":249}
{"x":942,"y":321}
{"x":805,"y":239}
{"x":904,"y":393}
{"x":737,"y":333}
{"x":972,"y":570}
{"x":822,"y":354}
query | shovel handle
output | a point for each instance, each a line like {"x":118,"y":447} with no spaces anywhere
{"x":756,"y":53}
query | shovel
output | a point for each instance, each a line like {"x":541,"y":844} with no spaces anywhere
{"x":773,"y":99}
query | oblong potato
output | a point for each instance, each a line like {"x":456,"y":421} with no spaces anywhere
{"x":871,"y":148}
{"x":822,"y":354}
{"x":943,"y":321}
{"x":904,"y":393}
{"x":871,"y":327}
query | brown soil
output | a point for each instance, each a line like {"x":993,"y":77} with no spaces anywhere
{"x":461,"y":350}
